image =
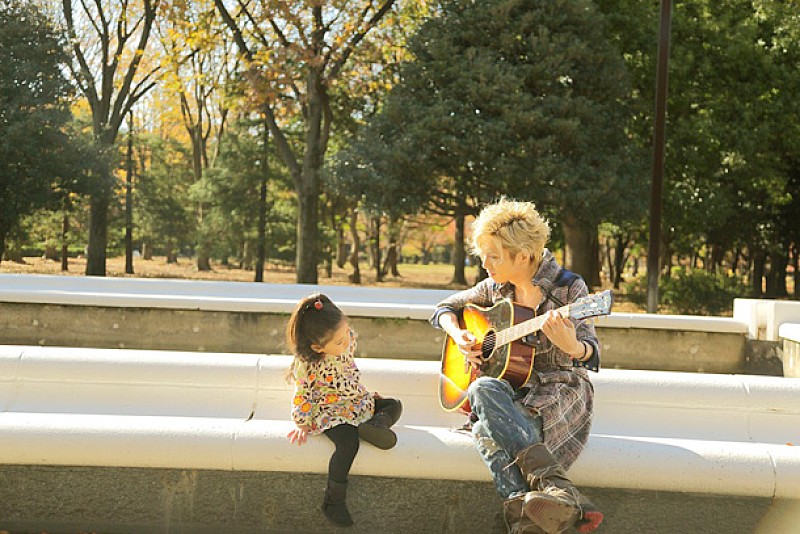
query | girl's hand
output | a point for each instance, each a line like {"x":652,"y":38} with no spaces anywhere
{"x":299,"y":435}
{"x":561,"y":333}
{"x":376,"y":395}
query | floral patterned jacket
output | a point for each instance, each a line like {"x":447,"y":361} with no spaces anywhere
{"x":329,"y":392}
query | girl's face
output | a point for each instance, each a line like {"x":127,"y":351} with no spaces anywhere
{"x":338,"y":342}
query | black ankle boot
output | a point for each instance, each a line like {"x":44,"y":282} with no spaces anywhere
{"x":334,"y":506}
{"x":377,"y":432}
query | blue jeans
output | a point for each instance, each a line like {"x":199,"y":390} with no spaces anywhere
{"x":504,"y":428}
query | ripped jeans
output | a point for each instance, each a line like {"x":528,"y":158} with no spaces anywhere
{"x":504,"y":428}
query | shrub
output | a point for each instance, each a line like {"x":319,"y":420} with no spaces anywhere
{"x":694,"y":292}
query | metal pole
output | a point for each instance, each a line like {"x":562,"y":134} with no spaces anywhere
{"x":129,"y":200}
{"x":662,"y":76}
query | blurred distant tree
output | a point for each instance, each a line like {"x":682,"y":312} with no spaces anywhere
{"x":108,"y":42}
{"x":39,"y":162}
{"x":295,"y":53}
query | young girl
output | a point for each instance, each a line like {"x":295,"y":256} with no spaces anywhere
{"x":329,"y":397}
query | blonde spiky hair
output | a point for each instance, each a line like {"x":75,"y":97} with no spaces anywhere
{"x":514,"y":226}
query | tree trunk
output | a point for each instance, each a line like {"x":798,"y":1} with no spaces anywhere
{"x":776,"y":277}
{"x":594,"y":261}
{"x":50,"y":252}
{"x":356,"y":276}
{"x":759,"y":263}
{"x":390,"y":265}
{"x":611,"y":253}
{"x":308,"y":188}
{"x":341,"y":247}
{"x":375,"y":247}
{"x":129,"y":199}
{"x":2,"y":243}
{"x":64,"y":244}
{"x":261,"y":245}
{"x":98,"y":233}
{"x":621,"y":257}
{"x":459,"y":254}
{"x":171,"y":253}
{"x":203,"y":261}
{"x":580,"y":242}
{"x":795,"y":264}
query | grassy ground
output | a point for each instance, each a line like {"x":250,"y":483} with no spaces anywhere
{"x":432,"y":276}
{"x":425,"y":276}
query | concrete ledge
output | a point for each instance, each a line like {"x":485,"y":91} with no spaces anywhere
{"x":660,"y":431}
{"x":790,"y":331}
{"x":213,"y":296}
{"x":391,"y":303}
{"x":764,"y":317}
{"x":790,"y":334}
{"x":250,"y":318}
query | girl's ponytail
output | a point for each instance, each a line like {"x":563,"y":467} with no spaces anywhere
{"x":313,"y":321}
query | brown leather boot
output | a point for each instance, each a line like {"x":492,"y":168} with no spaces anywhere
{"x":554,"y":503}
{"x":516,"y":520}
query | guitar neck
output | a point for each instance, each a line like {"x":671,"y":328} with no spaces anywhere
{"x":524,"y":328}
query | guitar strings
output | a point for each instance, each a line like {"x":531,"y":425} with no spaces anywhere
{"x":488,"y":345}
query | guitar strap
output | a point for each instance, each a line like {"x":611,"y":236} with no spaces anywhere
{"x":564,"y":278}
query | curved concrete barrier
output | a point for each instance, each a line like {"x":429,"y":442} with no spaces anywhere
{"x":790,"y":334}
{"x":715,"y":434}
{"x":246,"y":317}
{"x":392,"y":303}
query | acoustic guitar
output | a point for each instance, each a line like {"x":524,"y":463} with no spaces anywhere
{"x":498,"y":330}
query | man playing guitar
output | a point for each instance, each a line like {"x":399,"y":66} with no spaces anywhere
{"x":530,"y":432}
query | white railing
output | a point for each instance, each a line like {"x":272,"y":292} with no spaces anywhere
{"x":686,"y":432}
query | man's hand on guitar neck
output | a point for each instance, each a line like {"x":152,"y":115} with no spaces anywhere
{"x":560,"y":330}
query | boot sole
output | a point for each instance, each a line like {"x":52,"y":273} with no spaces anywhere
{"x":550,"y":514}
{"x":383,"y":438}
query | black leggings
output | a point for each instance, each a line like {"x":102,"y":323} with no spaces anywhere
{"x":345,"y":438}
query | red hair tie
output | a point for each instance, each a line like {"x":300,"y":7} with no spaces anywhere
{"x":317,"y":304}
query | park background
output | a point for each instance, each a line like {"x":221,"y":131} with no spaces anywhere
{"x":352,"y":142}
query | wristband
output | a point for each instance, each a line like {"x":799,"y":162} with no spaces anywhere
{"x":585,"y":350}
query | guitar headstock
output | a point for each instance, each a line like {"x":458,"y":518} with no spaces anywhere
{"x":592,"y":305}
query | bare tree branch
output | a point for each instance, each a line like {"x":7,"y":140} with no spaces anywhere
{"x":124,"y":103}
{"x":357,"y":38}
{"x":281,"y":142}
{"x":86,"y":73}
{"x":237,"y":33}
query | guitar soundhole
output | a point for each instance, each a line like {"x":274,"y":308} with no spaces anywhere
{"x":487,"y":347}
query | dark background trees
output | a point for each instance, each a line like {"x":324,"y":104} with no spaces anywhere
{"x":525,"y":99}
{"x":40,"y":162}
{"x":383,"y":115}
